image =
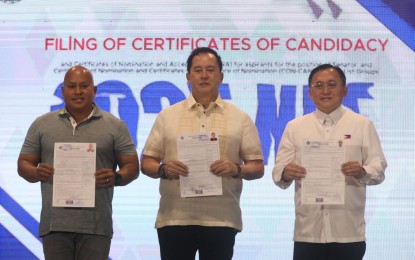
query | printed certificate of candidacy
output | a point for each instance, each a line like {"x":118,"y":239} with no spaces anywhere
{"x":324,"y":183}
{"x":198,"y":152}
{"x":74,"y":180}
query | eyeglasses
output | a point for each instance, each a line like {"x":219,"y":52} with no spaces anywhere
{"x":320,"y":85}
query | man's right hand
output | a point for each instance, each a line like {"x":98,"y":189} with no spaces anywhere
{"x":174,"y":169}
{"x":293,"y":172}
{"x":44,"y":171}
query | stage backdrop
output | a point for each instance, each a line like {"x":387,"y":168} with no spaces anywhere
{"x":137,"y":52}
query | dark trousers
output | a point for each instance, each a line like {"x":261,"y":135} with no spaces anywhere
{"x":329,"y":251}
{"x":70,"y":246}
{"x":182,"y":242}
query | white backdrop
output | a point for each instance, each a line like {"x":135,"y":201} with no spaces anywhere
{"x":137,"y":52}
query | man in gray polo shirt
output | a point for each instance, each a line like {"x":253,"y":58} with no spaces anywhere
{"x":78,"y":232}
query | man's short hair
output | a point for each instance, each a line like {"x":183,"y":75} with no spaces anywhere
{"x":324,"y":67}
{"x":199,"y":50}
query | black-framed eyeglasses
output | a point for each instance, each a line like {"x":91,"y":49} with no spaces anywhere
{"x":331,"y":84}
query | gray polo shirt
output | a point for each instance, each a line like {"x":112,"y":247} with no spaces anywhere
{"x":112,"y":138}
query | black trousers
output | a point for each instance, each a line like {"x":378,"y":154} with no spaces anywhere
{"x":329,"y":251}
{"x":182,"y":242}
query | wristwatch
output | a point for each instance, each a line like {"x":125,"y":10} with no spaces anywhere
{"x":239,"y":171}
{"x":162,"y":171}
{"x":118,"y":179}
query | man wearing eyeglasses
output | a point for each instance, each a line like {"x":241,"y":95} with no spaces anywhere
{"x":324,"y":230}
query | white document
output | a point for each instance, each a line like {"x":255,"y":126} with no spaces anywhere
{"x":74,"y":180}
{"x":324,"y":183}
{"x":198,"y":152}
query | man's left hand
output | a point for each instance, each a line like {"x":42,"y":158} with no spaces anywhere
{"x":105,"y":178}
{"x":223,"y":168}
{"x":354,"y":169}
